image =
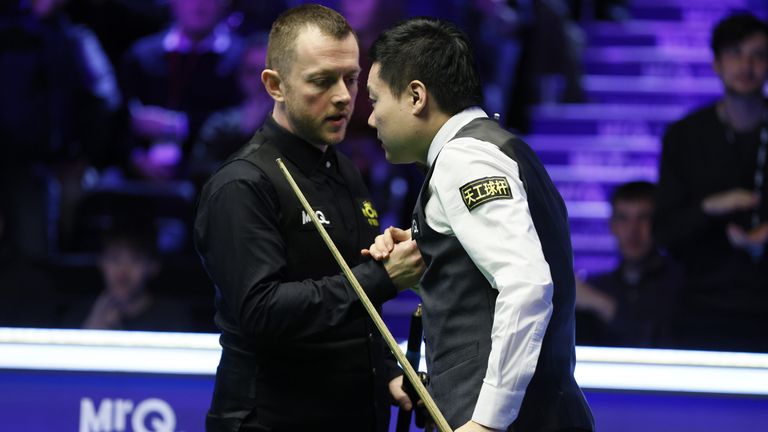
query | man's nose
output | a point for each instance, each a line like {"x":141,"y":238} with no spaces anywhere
{"x":341,"y":95}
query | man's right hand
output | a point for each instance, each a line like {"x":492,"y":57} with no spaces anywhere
{"x":729,"y":201}
{"x":385,"y":243}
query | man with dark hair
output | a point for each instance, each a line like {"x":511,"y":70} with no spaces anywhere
{"x":634,"y":301}
{"x":299,"y":352}
{"x":498,"y":290}
{"x":712,"y":212}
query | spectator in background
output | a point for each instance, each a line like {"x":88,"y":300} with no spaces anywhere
{"x":174,"y":80}
{"x":128,"y":263}
{"x":119,"y":23}
{"x":227,"y":130}
{"x":549,"y":67}
{"x":712,"y":211}
{"x":634,"y":301}
{"x":59,"y":98}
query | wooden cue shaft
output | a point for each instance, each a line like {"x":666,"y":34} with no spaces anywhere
{"x":437,"y":416}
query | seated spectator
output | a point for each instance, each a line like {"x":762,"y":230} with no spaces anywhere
{"x":174,"y":80}
{"x":713,"y":197}
{"x":227,"y":130}
{"x":128,"y":264}
{"x":27,"y":295}
{"x":634,"y":301}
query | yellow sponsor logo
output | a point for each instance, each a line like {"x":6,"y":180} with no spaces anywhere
{"x":370,"y":213}
{"x":483,"y":190}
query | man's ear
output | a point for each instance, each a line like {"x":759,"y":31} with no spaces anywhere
{"x":417,"y":96}
{"x":273,"y":84}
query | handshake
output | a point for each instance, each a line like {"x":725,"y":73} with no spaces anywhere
{"x":400,"y":255}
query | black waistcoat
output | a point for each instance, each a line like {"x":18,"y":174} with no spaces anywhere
{"x":459,"y":305}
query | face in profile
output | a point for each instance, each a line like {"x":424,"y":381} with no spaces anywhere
{"x":390,"y":117}
{"x":743,"y":68}
{"x":631,"y":224}
{"x":126,"y":270}
{"x":320,"y":87}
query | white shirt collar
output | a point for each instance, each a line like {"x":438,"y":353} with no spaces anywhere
{"x":449,"y":130}
{"x":218,"y":41}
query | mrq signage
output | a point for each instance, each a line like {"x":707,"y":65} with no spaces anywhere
{"x":123,"y":415}
{"x":103,"y":402}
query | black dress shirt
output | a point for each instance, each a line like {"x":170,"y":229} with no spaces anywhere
{"x":289,"y":319}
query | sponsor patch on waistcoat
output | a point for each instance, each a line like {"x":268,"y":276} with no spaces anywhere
{"x":483,"y":190}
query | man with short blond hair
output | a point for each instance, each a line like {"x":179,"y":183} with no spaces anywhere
{"x":299,"y":352}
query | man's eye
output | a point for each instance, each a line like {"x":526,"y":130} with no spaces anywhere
{"x":322,"y":82}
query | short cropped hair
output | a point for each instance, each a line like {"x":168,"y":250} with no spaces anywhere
{"x":634,"y":191}
{"x":733,"y":29}
{"x":434,"y":52}
{"x":286,"y":28}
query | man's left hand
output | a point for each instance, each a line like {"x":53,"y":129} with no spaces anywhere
{"x":471,"y":426}
{"x":400,"y":397}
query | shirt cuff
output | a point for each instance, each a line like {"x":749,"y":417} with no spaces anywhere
{"x":497,"y":408}
{"x":374,"y":279}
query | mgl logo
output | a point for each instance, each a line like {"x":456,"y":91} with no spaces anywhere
{"x":114,"y":415}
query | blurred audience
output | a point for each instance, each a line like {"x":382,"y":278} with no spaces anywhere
{"x":635,"y":301}
{"x":602,"y":10}
{"x":174,"y":80}
{"x":549,"y":69}
{"x":713,"y":198}
{"x":59,"y":99}
{"x":253,"y":17}
{"x":227,"y":130}
{"x":119,"y":23}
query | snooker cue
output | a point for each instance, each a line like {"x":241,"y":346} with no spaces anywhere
{"x":434,"y":411}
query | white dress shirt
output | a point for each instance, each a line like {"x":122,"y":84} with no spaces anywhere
{"x":501,"y":240}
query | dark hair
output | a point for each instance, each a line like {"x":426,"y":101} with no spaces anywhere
{"x":634,"y":191}
{"x":733,"y":29}
{"x":286,"y":28}
{"x":138,"y":236}
{"x":434,"y":52}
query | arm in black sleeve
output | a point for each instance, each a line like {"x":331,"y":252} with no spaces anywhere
{"x":239,"y":239}
{"x":391,"y":368}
